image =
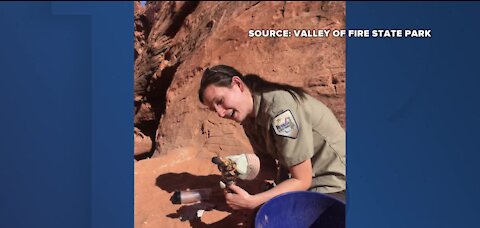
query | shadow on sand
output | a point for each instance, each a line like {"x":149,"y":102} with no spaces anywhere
{"x":171,"y":182}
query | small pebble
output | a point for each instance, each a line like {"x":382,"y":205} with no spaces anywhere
{"x":200,"y":213}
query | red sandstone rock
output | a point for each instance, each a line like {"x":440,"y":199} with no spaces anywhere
{"x":142,"y":143}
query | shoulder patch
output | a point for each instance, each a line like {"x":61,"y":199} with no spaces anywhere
{"x":284,"y":124}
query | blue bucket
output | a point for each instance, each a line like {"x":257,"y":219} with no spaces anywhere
{"x":301,"y":209}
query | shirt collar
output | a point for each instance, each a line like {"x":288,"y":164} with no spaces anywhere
{"x":256,"y":103}
{"x":257,"y":98}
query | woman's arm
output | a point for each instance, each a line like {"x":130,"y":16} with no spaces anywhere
{"x":301,"y":180}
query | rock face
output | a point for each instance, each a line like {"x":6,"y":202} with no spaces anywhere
{"x":176,"y":41}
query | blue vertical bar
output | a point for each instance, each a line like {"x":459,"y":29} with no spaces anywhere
{"x":66,"y":91}
{"x":112,"y":113}
{"x":412,"y":116}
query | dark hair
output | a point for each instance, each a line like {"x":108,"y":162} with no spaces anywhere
{"x":221,"y":75}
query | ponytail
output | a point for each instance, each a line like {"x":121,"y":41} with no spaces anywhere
{"x":256,"y":84}
{"x":221,"y":75}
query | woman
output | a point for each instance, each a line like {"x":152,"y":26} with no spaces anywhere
{"x":283,"y":121}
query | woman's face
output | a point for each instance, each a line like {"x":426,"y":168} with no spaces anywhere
{"x":234,"y":102}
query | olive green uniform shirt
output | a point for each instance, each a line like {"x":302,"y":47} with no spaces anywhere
{"x":293,"y":132}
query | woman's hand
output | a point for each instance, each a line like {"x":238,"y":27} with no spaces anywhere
{"x":300,"y":181}
{"x":240,"y":199}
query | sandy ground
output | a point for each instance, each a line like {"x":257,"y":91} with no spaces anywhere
{"x":157,"y":179}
